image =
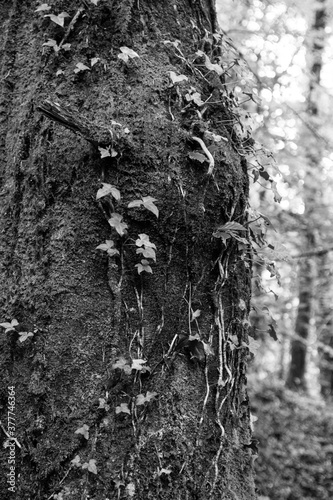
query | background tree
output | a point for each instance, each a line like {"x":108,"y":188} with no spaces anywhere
{"x":289,"y":58}
{"x":293,"y":429}
{"x":127,"y":362}
{"x":311,"y":196}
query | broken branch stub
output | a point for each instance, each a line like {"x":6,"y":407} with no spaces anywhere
{"x":95,"y":134}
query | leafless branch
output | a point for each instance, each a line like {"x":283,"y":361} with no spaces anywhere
{"x":317,"y":253}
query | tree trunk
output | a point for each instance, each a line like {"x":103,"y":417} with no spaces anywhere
{"x":311,"y":195}
{"x":305,"y":313}
{"x":124,"y":383}
{"x":325,"y":325}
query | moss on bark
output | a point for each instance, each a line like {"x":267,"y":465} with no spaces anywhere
{"x":187,"y":442}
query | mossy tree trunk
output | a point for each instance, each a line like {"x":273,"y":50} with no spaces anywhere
{"x":178,"y":428}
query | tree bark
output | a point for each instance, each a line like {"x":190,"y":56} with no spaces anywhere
{"x":130,"y":385}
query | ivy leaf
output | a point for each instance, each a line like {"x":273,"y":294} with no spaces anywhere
{"x":10,"y":326}
{"x":234,"y":339}
{"x":76,"y":461}
{"x":194,"y":96}
{"x":103,"y":404}
{"x":94,"y":61}
{"x":117,"y":223}
{"x":195,"y":314}
{"x":277,"y":196}
{"x":150,"y":396}
{"x":59,"y":72}
{"x":272,"y":332}
{"x":43,"y":7}
{"x":81,"y":67}
{"x":84,"y":430}
{"x":51,"y":43}
{"x":196,"y":347}
{"x":66,"y":46}
{"x":143,"y":240}
{"x":255,"y":173}
{"x":177,"y":78}
{"x":265,"y":175}
{"x":122,"y":365}
{"x":108,"y":248}
{"x":104,"y":152}
{"x":91,"y":466}
{"x":209,"y":351}
{"x":209,"y":65}
{"x":59,"y":19}
{"x":137,"y":364}
{"x":148,"y":252}
{"x":242,"y":305}
{"x":95,"y":2}
{"x":148,"y":203}
{"x":267,"y":221}
{"x":108,"y":189}
{"x":144,"y":266}
{"x":134,"y":203}
{"x":233,"y":226}
{"x":230,"y":230}
{"x":276,"y":252}
{"x":224,"y":236}
{"x":197,"y":156}
{"x":140,"y":400}
{"x":126,"y":54}
{"x":123,"y":408}
{"x":25,"y":335}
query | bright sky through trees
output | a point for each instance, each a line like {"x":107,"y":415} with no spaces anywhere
{"x":272,"y":38}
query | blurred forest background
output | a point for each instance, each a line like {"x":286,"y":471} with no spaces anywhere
{"x":282,"y":59}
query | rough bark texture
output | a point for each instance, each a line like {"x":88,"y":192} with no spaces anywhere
{"x":88,"y":310}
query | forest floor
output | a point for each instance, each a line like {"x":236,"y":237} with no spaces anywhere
{"x":295,"y":434}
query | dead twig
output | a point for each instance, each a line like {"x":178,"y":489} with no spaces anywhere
{"x":97,"y":135}
{"x":71,"y":26}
